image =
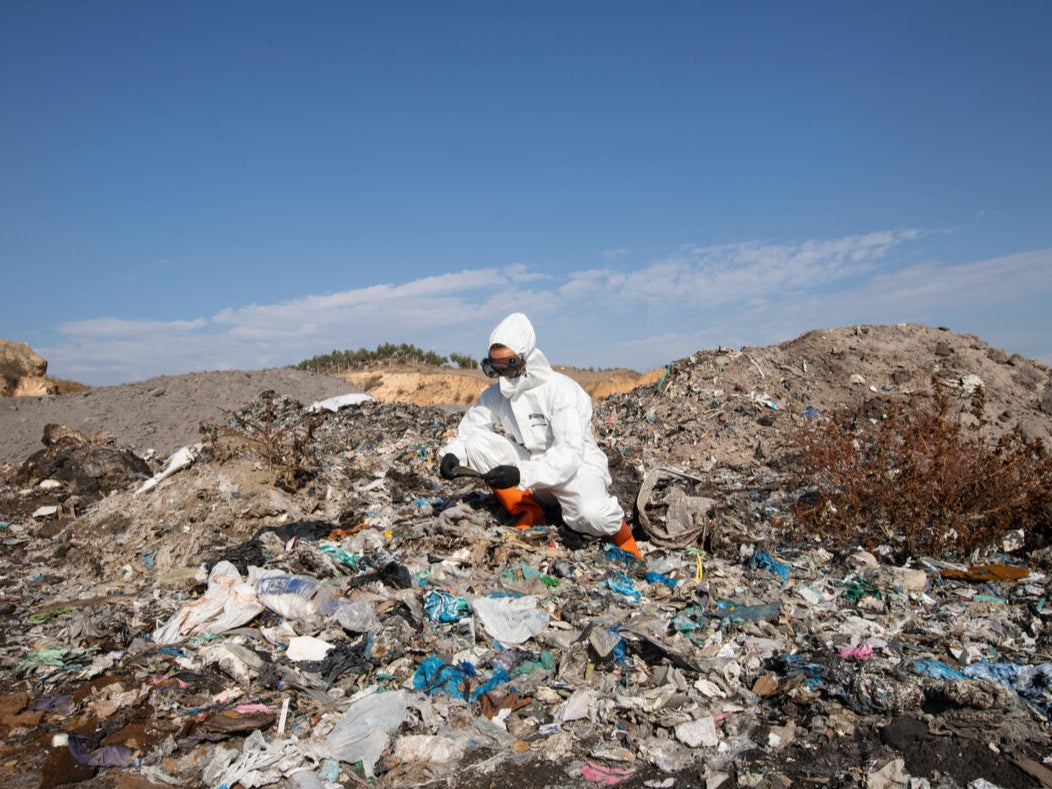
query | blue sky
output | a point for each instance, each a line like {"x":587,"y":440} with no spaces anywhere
{"x":210,"y":185}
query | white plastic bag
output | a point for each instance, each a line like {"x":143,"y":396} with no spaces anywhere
{"x":289,"y":596}
{"x":228,"y":602}
{"x":307,"y":648}
{"x":358,"y":616}
{"x":510,"y":620}
{"x":362,"y":733}
{"x":340,"y":401}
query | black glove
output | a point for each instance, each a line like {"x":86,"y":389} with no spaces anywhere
{"x":500,"y":477}
{"x":448,"y":465}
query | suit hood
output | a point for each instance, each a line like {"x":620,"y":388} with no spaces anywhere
{"x":516,"y":332}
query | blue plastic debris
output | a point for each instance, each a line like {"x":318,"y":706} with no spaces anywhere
{"x":620,"y":651}
{"x":613,"y":552}
{"x":763,"y":560}
{"x":811,"y":412}
{"x":499,"y":677}
{"x":797,"y":664}
{"x":622,"y":585}
{"x":738,"y":614}
{"x":657,"y":578}
{"x":1033,"y":683}
{"x":936,"y":669}
{"x":433,"y":676}
{"x":690,"y":618}
{"x":441,"y":606}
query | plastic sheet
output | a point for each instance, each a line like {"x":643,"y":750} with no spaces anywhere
{"x":763,"y":560}
{"x":510,"y":620}
{"x":621,"y":584}
{"x":361,"y":735}
{"x":228,"y":602}
{"x":734,"y":613}
{"x":937,"y":669}
{"x":441,"y":606}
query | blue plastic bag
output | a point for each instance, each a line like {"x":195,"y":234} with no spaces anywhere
{"x":441,"y":606}
{"x":622,"y":584}
{"x":764,"y":561}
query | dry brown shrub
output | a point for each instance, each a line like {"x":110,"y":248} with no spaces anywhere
{"x":918,"y":480}
{"x":273,"y":430}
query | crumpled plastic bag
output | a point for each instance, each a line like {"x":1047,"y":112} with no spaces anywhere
{"x":289,"y":596}
{"x":107,"y":756}
{"x":259,"y":763}
{"x":358,"y":616}
{"x":339,"y":401}
{"x":511,"y":620}
{"x":228,"y":602}
{"x":434,"y":676}
{"x":686,"y":517}
{"x":429,"y":749}
{"x":51,"y":657}
{"x":362,"y":733}
{"x":443,"y":606}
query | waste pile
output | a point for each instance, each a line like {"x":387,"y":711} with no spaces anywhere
{"x":299,"y":600}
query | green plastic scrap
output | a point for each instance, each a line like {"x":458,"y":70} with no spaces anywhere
{"x":46,"y":616}
{"x":546,"y":662}
{"x":989,"y":598}
{"x":856,"y":590}
{"x":525,"y":573}
{"x":735,"y":614}
{"x":53,"y":657}
{"x":690,"y":618}
{"x":340,"y":554}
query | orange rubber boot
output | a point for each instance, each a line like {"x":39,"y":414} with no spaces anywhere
{"x":521,"y":506}
{"x":624,"y":540}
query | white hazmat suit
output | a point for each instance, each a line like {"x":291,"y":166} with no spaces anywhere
{"x":540,"y":422}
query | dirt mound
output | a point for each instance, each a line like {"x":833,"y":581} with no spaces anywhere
{"x":420,"y":385}
{"x":737,"y":408}
{"x":430,"y":385}
{"x":159,"y":414}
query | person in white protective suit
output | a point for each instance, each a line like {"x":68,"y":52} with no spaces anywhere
{"x":530,"y":436}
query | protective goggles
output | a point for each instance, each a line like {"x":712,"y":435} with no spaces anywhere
{"x":512,"y":367}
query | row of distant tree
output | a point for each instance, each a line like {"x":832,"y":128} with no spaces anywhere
{"x":337,"y":361}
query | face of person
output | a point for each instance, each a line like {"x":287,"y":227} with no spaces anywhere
{"x":503,"y":362}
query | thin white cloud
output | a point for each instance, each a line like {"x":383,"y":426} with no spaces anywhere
{"x":727,"y":273}
{"x":997,"y":280}
{"x":751,"y":293}
{"x":103,"y":328}
{"x":1000,"y":300}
